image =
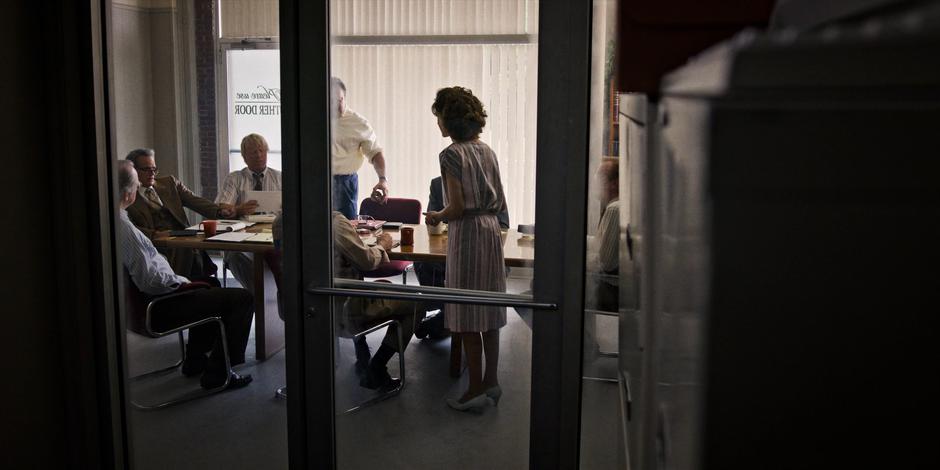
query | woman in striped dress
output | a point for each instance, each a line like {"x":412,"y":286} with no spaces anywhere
{"x":473,"y":195}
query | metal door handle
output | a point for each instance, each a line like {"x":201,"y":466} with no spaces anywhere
{"x":501,"y":300}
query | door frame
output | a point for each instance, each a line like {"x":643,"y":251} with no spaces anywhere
{"x":563,"y":121}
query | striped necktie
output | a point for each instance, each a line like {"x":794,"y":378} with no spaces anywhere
{"x":259,"y":178}
{"x":152,"y":196}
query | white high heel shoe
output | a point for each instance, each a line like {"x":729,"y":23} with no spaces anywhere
{"x":494,"y":392}
{"x":475,"y":404}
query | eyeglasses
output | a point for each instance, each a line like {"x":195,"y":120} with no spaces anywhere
{"x":152,"y":170}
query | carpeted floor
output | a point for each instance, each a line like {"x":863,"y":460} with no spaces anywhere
{"x":246,"y":428}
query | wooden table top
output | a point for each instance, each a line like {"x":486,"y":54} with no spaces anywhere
{"x":517,"y":251}
{"x":199,"y":242}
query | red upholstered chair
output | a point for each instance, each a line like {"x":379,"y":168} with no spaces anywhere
{"x":406,"y":211}
{"x":138,"y":308}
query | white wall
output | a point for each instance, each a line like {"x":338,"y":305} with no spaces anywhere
{"x":143,"y":85}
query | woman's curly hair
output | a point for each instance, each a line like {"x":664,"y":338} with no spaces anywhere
{"x":461,"y":112}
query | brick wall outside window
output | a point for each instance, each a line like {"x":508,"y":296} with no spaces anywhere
{"x":205,"y":15}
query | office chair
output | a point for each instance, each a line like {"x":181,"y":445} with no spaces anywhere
{"x":138,"y":310}
{"x":406,"y":211}
{"x":372,"y":327}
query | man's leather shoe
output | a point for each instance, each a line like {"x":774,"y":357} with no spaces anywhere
{"x":421,"y":330}
{"x":378,"y":379}
{"x":194,"y":365}
{"x":210,"y":381}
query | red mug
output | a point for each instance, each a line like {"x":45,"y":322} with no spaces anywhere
{"x":407,"y":236}
{"x":209,"y":227}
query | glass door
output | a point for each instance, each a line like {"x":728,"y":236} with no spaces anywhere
{"x":416,"y":345}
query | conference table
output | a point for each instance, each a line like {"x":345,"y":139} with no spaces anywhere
{"x":269,"y":329}
{"x":518,"y":251}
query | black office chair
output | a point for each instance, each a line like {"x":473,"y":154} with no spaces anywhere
{"x":138,"y":310}
{"x":378,"y":325}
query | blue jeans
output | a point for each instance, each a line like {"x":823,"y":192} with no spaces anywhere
{"x":345,"y":194}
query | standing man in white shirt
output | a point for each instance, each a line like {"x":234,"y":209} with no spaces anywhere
{"x":152,"y":275}
{"x":256,"y":176}
{"x":353,"y":142}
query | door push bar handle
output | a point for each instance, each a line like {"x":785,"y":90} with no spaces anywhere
{"x":387,"y":286}
{"x":499,"y":301}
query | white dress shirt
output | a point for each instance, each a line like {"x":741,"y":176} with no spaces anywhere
{"x":238,"y":183}
{"x":353,"y":141}
{"x":149,"y":270}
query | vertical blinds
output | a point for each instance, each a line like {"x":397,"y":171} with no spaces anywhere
{"x":393,"y":87}
{"x":248,"y":19}
{"x":433,"y":17}
{"x":259,"y":18}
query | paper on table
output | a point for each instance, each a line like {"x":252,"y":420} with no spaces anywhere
{"x":261,"y":238}
{"x":261,"y":218}
{"x":231,"y":237}
{"x":226,"y":225}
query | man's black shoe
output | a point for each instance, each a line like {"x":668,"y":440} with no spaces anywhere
{"x":421,"y":331}
{"x":378,"y":379}
{"x":194,"y":365}
{"x":437,"y":335}
{"x":211,"y":380}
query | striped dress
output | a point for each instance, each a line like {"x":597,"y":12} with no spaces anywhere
{"x":474,"y":246}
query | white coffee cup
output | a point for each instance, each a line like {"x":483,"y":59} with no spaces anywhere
{"x":437,"y":229}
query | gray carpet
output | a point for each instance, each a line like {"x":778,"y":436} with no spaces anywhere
{"x":246,"y":428}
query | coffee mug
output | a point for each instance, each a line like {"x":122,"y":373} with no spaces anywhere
{"x":407,"y":236}
{"x":437,"y":229}
{"x":209,"y":227}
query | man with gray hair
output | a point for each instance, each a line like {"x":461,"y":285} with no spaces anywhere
{"x":160,"y":208}
{"x":256,"y":176}
{"x":151,"y":274}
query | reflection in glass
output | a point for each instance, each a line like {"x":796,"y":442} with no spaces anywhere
{"x":603,"y":412}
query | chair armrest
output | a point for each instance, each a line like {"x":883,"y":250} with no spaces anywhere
{"x":192,"y":286}
{"x":184,"y":289}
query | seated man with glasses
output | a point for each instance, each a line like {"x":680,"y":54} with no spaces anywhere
{"x":160,"y":208}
